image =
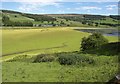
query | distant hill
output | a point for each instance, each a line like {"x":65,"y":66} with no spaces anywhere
{"x":14,"y":18}
{"x":10,"y":11}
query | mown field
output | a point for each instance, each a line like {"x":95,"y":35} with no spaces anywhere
{"x":27,"y":39}
{"x":17,"y":40}
{"x":21,"y":46}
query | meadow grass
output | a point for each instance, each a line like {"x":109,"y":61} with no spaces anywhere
{"x":41,"y":39}
{"x":104,"y":69}
{"x":26,"y":39}
{"x":18,"y":17}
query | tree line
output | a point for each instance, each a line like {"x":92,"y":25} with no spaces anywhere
{"x":39,"y":17}
{"x":7,"y":22}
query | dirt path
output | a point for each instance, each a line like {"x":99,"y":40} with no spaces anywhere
{"x":63,"y":45}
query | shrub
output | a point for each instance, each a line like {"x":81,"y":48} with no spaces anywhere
{"x":72,"y":58}
{"x":93,"y":41}
{"x":47,"y":59}
{"x":44,"y":58}
{"x":66,"y":60}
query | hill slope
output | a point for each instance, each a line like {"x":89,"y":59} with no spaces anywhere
{"x":24,"y":19}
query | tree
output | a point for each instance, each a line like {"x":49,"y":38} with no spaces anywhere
{"x":83,"y":22}
{"x":52,"y":22}
{"x":93,"y":41}
{"x":15,"y":15}
{"x":90,"y":23}
{"x":5,"y":20}
{"x":96,"y":24}
{"x":62,"y":22}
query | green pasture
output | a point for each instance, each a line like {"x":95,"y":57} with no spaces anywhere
{"x":43,"y":40}
{"x":103,"y":70}
{"x":27,"y":39}
{"x":107,"y":20}
{"x":18,"y":17}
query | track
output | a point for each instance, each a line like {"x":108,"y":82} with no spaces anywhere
{"x":63,"y":45}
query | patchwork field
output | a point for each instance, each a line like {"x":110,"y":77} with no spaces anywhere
{"x":21,"y":46}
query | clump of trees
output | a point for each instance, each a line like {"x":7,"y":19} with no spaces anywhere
{"x":5,"y":20}
{"x":110,"y":24}
{"x":117,"y":17}
{"x":93,"y":17}
{"x":37,"y":17}
{"x":83,"y":18}
{"x":93,"y":41}
{"x":72,"y":18}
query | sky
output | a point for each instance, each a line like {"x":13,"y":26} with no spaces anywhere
{"x":61,"y":7}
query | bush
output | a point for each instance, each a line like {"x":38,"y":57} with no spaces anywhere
{"x":72,"y":58}
{"x":44,"y":58}
{"x":66,"y":60}
{"x":47,"y":59}
{"x":93,"y":41}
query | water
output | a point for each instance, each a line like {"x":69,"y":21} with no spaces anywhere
{"x":113,"y":34}
{"x":110,"y":32}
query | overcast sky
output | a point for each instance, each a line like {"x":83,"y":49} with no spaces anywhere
{"x":104,"y":7}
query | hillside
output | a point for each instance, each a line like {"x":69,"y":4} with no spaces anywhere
{"x":14,"y":18}
{"x":112,"y":48}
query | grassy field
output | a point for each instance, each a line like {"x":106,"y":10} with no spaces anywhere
{"x":18,"y":17}
{"x":108,"y":20}
{"x":27,"y":39}
{"x":104,"y":69}
{"x":30,"y":42}
{"x":54,"y":72}
{"x":18,"y":40}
